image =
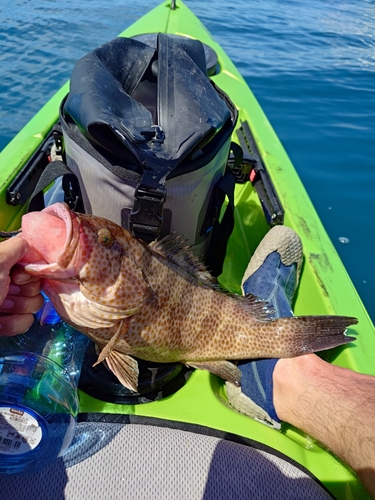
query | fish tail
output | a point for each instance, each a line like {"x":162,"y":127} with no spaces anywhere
{"x":304,"y":334}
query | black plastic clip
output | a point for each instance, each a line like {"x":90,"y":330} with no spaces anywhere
{"x":159,"y":134}
{"x":58,"y":139}
{"x":239,"y":165}
{"x":146,"y":218}
{"x":72,"y":193}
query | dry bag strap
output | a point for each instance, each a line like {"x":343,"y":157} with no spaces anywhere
{"x":146,"y":218}
{"x":70,"y":184}
{"x":52,"y":171}
{"x":223,"y":229}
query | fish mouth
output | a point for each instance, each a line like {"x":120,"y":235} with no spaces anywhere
{"x":62,"y":212}
{"x":55,"y":241}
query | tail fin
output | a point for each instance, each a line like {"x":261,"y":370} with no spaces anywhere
{"x":303,"y":334}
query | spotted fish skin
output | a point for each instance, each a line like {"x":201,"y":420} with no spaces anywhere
{"x":158,"y":302}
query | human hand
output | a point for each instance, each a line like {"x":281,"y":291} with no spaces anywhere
{"x":19,"y":293}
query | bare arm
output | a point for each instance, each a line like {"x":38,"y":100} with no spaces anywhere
{"x":334,"y":405}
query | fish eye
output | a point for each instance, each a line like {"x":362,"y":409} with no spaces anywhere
{"x":105,"y":237}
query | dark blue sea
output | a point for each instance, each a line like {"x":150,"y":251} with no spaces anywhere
{"x":311,"y":65}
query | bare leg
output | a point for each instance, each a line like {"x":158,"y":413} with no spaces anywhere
{"x":332,"y":404}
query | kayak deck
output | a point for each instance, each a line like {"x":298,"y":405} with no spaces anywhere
{"x":325,"y":287}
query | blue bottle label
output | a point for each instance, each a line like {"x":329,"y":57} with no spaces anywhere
{"x":20,"y":431}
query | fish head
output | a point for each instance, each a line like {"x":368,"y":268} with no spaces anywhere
{"x":95,"y":253}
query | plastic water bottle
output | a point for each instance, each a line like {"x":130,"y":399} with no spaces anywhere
{"x":39,"y":373}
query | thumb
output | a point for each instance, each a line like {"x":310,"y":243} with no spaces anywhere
{"x":11,"y":252}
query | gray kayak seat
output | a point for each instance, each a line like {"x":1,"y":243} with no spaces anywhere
{"x":151,"y":462}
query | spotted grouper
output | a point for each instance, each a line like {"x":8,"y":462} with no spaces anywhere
{"x":157,"y":302}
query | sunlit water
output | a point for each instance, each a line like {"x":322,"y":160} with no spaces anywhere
{"x":310,"y":64}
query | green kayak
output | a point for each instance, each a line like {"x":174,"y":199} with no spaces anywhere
{"x":325,"y":287}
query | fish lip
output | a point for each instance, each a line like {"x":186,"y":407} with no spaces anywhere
{"x":63,"y":212}
{"x":61,"y":269}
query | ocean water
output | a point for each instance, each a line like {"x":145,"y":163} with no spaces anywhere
{"x":311,"y":65}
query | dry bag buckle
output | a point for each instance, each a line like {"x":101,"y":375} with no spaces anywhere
{"x":146,"y":218}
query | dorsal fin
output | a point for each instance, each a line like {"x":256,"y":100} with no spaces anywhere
{"x":172,"y":248}
{"x":259,"y":308}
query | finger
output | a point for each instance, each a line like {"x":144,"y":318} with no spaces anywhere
{"x":14,"y":304}
{"x":11,"y":252}
{"x":19,"y":276}
{"x":27,"y":290}
{"x":15,"y":324}
{"x":14,"y":289}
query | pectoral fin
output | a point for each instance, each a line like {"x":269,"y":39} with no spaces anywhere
{"x":122,"y":365}
{"x":125,"y":368}
{"x":105,"y":352}
{"x":224,"y":369}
